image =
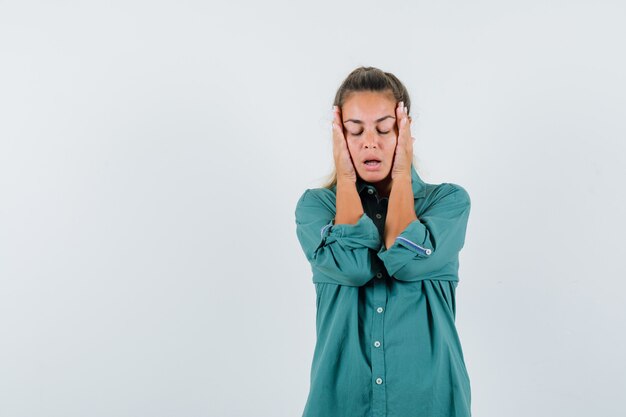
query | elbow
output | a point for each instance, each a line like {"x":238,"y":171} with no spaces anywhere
{"x":350,"y":278}
{"x":352,"y":268}
{"x":418,"y":270}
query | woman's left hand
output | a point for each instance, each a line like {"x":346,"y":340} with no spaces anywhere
{"x":404,"y":147}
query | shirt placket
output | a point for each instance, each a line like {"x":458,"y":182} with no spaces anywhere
{"x":377,"y":211}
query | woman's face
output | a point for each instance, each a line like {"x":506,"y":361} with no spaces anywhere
{"x":369,"y":120}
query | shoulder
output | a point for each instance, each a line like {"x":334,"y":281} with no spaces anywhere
{"x":448,"y":191}
{"x":316,"y":198}
{"x":316,"y":194}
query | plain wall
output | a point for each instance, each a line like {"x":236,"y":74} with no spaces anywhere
{"x":152,"y":153}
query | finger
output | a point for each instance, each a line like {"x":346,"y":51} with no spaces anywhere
{"x":400,"y":117}
{"x":336,"y":119}
{"x":337,"y":131}
{"x":339,"y":141}
{"x":404,"y":119}
{"x":404,"y":129}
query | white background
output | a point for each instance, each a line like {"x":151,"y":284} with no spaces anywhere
{"x":151,"y":155}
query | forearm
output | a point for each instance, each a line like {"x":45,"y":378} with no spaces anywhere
{"x":348,"y":202}
{"x":400,"y":209}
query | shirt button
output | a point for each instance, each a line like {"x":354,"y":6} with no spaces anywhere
{"x":379,"y":275}
{"x":428,"y":251}
{"x":377,"y":343}
{"x":379,"y":309}
{"x":379,"y":381}
{"x":378,"y":215}
{"x":369,"y":190}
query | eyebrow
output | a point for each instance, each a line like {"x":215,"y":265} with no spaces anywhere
{"x":361,"y":122}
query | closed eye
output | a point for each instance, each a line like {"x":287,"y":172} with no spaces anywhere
{"x":382,"y":133}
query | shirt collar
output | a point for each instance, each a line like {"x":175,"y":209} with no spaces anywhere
{"x":419,"y":186}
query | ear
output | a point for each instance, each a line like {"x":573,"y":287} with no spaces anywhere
{"x":410,"y":120}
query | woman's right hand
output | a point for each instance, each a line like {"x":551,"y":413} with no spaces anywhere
{"x":343,"y":160}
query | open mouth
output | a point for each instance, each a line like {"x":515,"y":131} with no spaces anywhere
{"x":372,"y":164}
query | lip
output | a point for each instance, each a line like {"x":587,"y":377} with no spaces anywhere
{"x":375,"y":167}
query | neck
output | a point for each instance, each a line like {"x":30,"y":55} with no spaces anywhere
{"x":384,"y":187}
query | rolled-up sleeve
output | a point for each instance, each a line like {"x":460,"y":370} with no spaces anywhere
{"x":343,"y":253}
{"x":433,"y":240}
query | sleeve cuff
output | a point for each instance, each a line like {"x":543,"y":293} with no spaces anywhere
{"x":409,"y":243}
{"x":413,"y":237}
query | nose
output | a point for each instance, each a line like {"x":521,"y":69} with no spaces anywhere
{"x":371,"y":140}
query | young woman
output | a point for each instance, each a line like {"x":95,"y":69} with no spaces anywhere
{"x":383,"y":247}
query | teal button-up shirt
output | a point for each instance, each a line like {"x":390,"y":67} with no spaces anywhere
{"x":387,"y":345}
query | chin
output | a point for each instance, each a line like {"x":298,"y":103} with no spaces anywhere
{"x":374,"y":176}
